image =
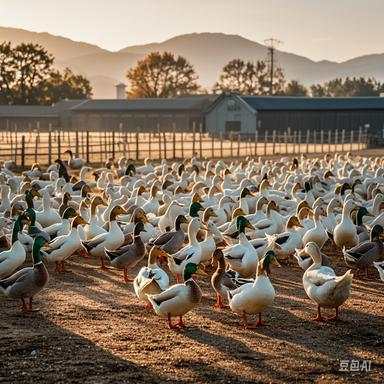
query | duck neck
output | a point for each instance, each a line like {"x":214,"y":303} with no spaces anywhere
{"x":17,"y":227}
{"x":192,"y":236}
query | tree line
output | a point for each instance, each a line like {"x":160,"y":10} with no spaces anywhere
{"x":27,"y":77}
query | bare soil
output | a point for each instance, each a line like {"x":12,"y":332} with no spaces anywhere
{"x":90,"y":328}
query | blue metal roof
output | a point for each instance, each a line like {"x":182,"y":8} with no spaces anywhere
{"x":277,"y":103}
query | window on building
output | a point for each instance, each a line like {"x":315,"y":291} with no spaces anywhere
{"x":232,"y":126}
{"x":233,"y":105}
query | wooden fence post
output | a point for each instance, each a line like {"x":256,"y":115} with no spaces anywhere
{"x":322,"y":140}
{"x":299,"y":140}
{"x":238,"y":144}
{"x":137,"y":144}
{"x":307,"y":142}
{"x":265,"y":142}
{"x":165,"y":145}
{"x":87,"y":147}
{"x":360,"y":140}
{"x":182,"y":144}
{"x":49,"y":147}
{"x":77,"y":142}
{"x":342,"y":140}
{"x":193,"y":138}
{"x":336,"y":140}
{"x":113,"y":143}
{"x":23,"y":151}
{"x":256,"y":141}
{"x":329,"y":140}
{"x":58,"y":145}
{"x":351,"y":140}
{"x":213,"y":145}
{"x":159,"y":134}
{"x":36,"y":145}
{"x":221,"y":145}
{"x":174,"y":140}
{"x":201,"y":140}
{"x":231,"y":142}
{"x":274,"y":142}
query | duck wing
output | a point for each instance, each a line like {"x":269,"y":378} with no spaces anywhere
{"x":18,"y":276}
{"x":163,"y":238}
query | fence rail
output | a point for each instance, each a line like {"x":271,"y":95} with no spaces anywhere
{"x":26,"y":148}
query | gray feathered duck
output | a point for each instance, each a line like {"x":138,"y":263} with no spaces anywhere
{"x":129,"y":256}
{"x":171,"y":241}
{"x":363,"y":255}
{"x":26,"y":283}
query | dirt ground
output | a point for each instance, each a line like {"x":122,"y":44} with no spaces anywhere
{"x":90,"y":328}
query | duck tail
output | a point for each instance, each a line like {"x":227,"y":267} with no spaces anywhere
{"x":112,"y":255}
{"x":345,"y":280}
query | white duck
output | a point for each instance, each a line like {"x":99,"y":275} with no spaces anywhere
{"x":323,"y":286}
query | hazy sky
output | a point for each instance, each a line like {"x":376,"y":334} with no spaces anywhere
{"x":319,"y":29}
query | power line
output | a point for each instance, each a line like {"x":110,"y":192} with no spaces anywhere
{"x":271,"y":45}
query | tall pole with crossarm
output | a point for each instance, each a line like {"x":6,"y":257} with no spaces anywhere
{"x":271,"y":45}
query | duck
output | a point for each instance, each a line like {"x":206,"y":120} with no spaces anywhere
{"x":14,"y":257}
{"x":255,"y":297}
{"x":364,"y":254}
{"x":178,"y":299}
{"x":191,"y":253}
{"x":167,"y":220}
{"x":274,"y":223}
{"x":323,"y":286}
{"x":172,"y":241}
{"x":317,"y":234}
{"x":130,"y":255}
{"x":305,"y":261}
{"x":345,"y":233}
{"x":151,"y":279}
{"x":94,"y":228}
{"x":26,"y":283}
{"x":63,"y":228}
{"x":291,"y":239}
{"x":242,"y":257}
{"x":47,"y":216}
{"x":362,"y":230}
{"x":222,"y":279}
{"x":111,"y":240}
{"x":380,"y":268}
{"x":65,"y":246}
{"x":74,"y":162}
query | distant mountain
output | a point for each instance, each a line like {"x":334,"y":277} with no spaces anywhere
{"x":208,"y":52}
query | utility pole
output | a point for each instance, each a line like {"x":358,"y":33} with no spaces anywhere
{"x":271,"y":44}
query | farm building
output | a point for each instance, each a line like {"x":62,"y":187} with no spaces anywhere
{"x":235,"y":113}
{"x":145,"y":115}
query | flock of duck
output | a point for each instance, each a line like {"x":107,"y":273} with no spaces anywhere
{"x":192,"y":220}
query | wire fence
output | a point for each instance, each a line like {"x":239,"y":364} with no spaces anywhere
{"x":26,"y":148}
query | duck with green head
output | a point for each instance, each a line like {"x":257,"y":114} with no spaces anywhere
{"x":12,"y":258}
{"x":256,"y":297}
{"x":242,"y":257}
{"x":27,"y":282}
{"x":64,"y":227}
{"x":178,"y":299}
{"x":195,"y":208}
{"x":363,"y":255}
{"x":362,"y":230}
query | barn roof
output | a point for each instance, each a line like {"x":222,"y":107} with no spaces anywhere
{"x":277,"y":103}
{"x":27,"y":111}
{"x":151,"y":104}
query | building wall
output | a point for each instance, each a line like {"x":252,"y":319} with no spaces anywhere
{"x":230,"y":114}
{"x":27,"y":123}
{"x":145,"y":121}
{"x":320,"y":120}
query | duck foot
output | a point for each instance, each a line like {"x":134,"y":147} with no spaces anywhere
{"x":219,"y":303}
{"x":335,"y":317}
{"x":181,"y":324}
{"x":174,"y":327}
{"x":126,"y":278}
{"x":319,"y":318}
